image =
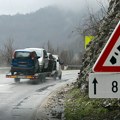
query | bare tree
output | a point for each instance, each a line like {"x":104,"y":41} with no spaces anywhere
{"x":49,"y":47}
{"x":64,"y":56}
{"x":67,"y":56}
{"x":7,"y":51}
{"x":92,"y":21}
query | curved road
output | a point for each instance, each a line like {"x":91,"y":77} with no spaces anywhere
{"x":19,"y":101}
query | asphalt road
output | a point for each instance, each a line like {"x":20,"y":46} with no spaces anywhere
{"x":19,"y":101}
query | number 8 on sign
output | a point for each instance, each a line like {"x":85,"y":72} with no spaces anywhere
{"x":114,"y":86}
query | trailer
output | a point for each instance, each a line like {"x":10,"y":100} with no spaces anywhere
{"x":35,"y":79}
{"x":25,"y":71}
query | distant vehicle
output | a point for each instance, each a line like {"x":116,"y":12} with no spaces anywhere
{"x":43,"y":58}
{"x":25,"y":62}
{"x":52,"y":63}
{"x":57,"y":66}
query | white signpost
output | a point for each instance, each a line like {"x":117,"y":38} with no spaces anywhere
{"x":105,"y":81}
{"x":104,"y":85}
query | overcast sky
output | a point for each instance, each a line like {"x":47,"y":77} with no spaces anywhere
{"x":27,"y":6}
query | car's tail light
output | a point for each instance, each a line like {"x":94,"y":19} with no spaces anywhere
{"x":14,"y":54}
{"x":32,"y":56}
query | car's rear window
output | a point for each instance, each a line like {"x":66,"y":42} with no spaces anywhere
{"x":21,"y":54}
{"x":39,"y":53}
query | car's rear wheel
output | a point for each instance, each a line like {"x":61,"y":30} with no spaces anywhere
{"x":54,"y":77}
{"x":60,"y":77}
{"x":12,"y":73}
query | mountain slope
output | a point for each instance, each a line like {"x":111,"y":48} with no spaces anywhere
{"x":35,"y":29}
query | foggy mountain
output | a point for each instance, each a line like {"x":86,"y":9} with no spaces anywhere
{"x":36,"y":29}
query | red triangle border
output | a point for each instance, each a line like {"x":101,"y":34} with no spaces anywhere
{"x":98,"y":67}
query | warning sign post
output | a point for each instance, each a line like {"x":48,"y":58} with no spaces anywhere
{"x":105,"y":81}
{"x":109,"y":59}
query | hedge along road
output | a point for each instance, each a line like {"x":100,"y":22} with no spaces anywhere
{"x":19,"y":101}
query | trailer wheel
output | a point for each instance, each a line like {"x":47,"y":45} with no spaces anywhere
{"x":17,"y":80}
{"x":43,"y":77}
{"x":36,"y":81}
{"x":60,"y":77}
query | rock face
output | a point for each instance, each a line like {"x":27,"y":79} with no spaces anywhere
{"x":95,"y":47}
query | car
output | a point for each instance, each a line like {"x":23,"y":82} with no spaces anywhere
{"x":57,"y":66}
{"x":51,"y":63}
{"x":43,"y":58}
{"x":24,"y":62}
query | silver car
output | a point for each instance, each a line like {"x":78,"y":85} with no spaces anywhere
{"x":58,"y":66}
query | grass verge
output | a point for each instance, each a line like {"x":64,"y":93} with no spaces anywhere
{"x":81,"y":107}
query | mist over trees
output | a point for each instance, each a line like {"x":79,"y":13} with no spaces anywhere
{"x":51,"y":29}
{"x":35,"y":29}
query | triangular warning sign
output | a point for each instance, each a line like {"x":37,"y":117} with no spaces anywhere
{"x":109,"y":59}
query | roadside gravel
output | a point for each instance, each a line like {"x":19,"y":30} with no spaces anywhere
{"x":53,"y":107}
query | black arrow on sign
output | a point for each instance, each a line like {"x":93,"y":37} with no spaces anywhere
{"x":95,"y":82}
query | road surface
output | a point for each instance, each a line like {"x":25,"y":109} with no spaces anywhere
{"x":19,"y":101}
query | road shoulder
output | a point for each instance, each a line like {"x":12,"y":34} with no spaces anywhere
{"x":53,"y":107}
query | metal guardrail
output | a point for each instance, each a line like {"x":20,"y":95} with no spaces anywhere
{"x":4,"y":69}
{"x":72,"y":67}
